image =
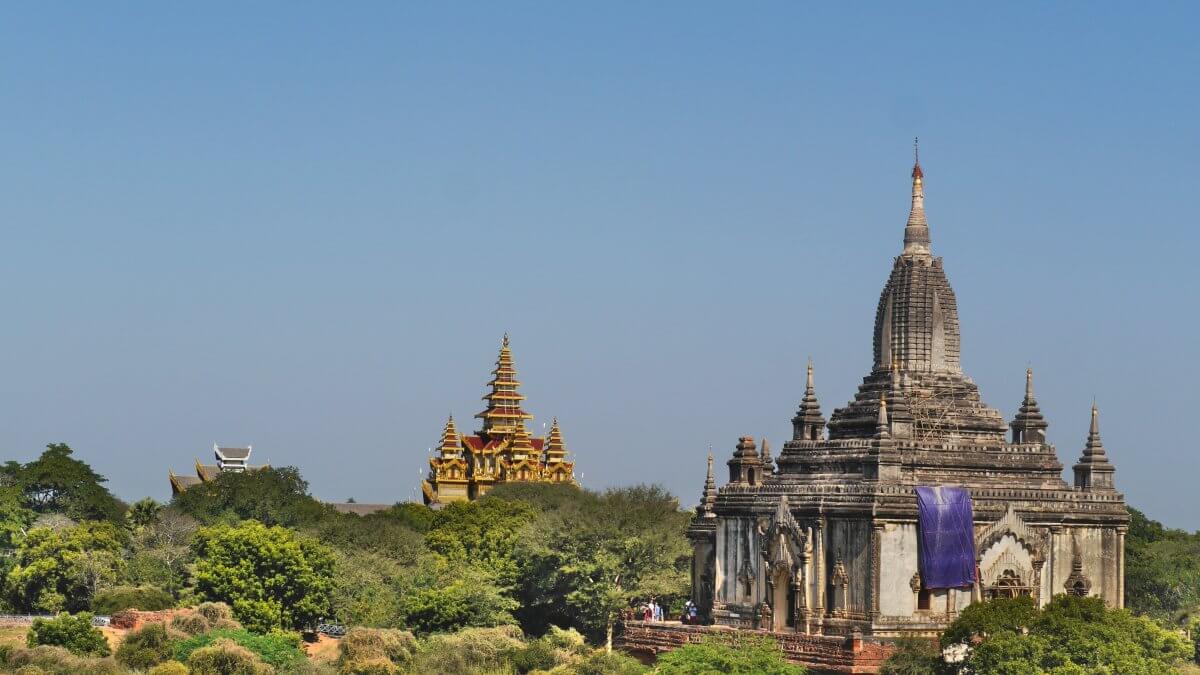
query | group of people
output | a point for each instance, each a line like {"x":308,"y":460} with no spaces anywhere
{"x":652,"y":611}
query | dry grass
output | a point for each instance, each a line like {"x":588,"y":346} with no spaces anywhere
{"x":13,"y":635}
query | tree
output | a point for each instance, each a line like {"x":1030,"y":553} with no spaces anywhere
{"x":1069,"y":635}
{"x":1162,"y":569}
{"x":586,"y":561}
{"x":56,"y":482}
{"x":146,"y":647}
{"x":272,"y":496}
{"x":272,"y":577}
{"x":444,"y":596}
{"x":161,"y":550}
{"x":483,"y":534}
{"x":142,"y":514}
{"x":747,"y":656}
{"x":75,"y":633}
{"x":914,"y":656}
{"x":15,"y":519}
{"x":55,"y":570}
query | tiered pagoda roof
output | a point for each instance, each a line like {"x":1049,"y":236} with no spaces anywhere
{"x":502,"y":450}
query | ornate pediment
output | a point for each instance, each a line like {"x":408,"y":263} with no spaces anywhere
{"x":784,"y":543}
{"x":1010,"y":523}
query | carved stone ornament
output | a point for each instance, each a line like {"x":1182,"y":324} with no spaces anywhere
{"x":915,"y":582}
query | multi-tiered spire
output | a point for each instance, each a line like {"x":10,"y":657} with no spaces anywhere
{"x":709,"y":501}
{"x":451,"y":444}
{"x":808,"y":424}
{"x":504,"y":414}
{"x":1029,"y":426}
{"x":1093,"y":471}
{"x":556,"y":450}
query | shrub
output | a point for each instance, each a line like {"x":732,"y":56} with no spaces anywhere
{"x":373,"y":666}
{"x":362,"y":645}
{"x":913,"y":657}
{"x":190,"y":623}
{"x":145,"y":598}
{"x":471,"y":649}
{"x":146,"y":647}
{"x":602,"y":663}
{"x":568,"y":639}
{"x":279,"y":649}
{"x":169,"y":668}
{"x":225,"y":657}
{"x":740,"y":656}
{"x":536,"y":655}
{"x":216,"y":613}
{"x":57,"y":661}
{"x":75,"y":633}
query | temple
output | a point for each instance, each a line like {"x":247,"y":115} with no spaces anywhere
{"x":466,"y":467}
{"x":227,"y":459}
{"x":826,"y":539}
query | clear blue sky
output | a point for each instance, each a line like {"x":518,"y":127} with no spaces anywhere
{"x":306,"y":226}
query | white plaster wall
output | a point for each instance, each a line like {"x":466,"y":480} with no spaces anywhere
{"x":897,"y":564}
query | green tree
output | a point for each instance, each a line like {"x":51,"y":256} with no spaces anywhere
{"x":142,"y":514}
{"x":272,"y":496}
{"x":914,"y":657}
{"x":272,"y":577}
{"x":1162,"y":569}
{"x":15,"y":518}
{"x":584,"y":562}
{"x":483,"y":534}
{"x":712,"y":656}
{"x":56,"y":482}
{"x":443,"y":596}
{"x":75,"y":633}
{"x":54,"y":570}
{"x":161,"y":551}
{"x":1069,"y":635}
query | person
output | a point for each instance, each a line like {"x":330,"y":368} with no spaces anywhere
{"x":647,"y":612}
{"x":693,"y":613}
{"x":658,"y":615}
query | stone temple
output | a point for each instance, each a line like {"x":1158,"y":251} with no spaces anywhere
{"x":824,"y":539}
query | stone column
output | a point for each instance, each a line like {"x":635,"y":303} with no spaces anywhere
{"x":876,"y":572}
{"x":819,"y":563}
{"x":1121,"y":566}
{"x":1051,"y":561}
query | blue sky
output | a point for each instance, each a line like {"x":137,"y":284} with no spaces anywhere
{"x":306,"y":226}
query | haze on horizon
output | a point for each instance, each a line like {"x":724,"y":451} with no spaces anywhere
{"x":307,"y":227}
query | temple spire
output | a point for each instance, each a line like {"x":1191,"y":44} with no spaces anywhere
{"x":556,"y":450}
{"x":709,"y":500}
{"x":808,"y":424}
{"x":504,"y":415}
{"x":1093,"y":471}
{"x":1029,"y":426}
{"x":451,"y":444}
{"x":916,"y":232}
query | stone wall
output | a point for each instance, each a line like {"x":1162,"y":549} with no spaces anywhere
{"x":820,"y":653}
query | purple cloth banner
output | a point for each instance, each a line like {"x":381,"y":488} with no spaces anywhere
{"x":945,"y":527}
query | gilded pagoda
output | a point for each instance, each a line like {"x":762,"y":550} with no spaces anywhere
{"x":466,"y":467}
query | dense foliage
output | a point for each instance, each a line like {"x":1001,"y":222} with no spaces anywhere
{"x":73,"y":633}
{"x":751,"y":656}
{"x":1069,"y":635}
{"x":273,"y":578}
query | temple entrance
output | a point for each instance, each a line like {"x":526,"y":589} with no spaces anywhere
{"x":781,"y":602}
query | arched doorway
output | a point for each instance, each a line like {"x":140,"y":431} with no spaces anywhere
{"x":781,"y":600}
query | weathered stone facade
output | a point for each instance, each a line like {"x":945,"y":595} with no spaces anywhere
{"x":823,"y":540}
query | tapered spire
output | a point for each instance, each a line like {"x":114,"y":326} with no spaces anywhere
{"x":504,"y":414}
{"x":1093,"y":471}
{"x":881,"y":424}
{"x":709,"y":500}
{"x":1029,"y":426}
{"x":808,"y":424}
{"x":916,"y":232}
{"x":451,"y":443}
{"x":556,"y":450}
{"x":768,"y":463}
